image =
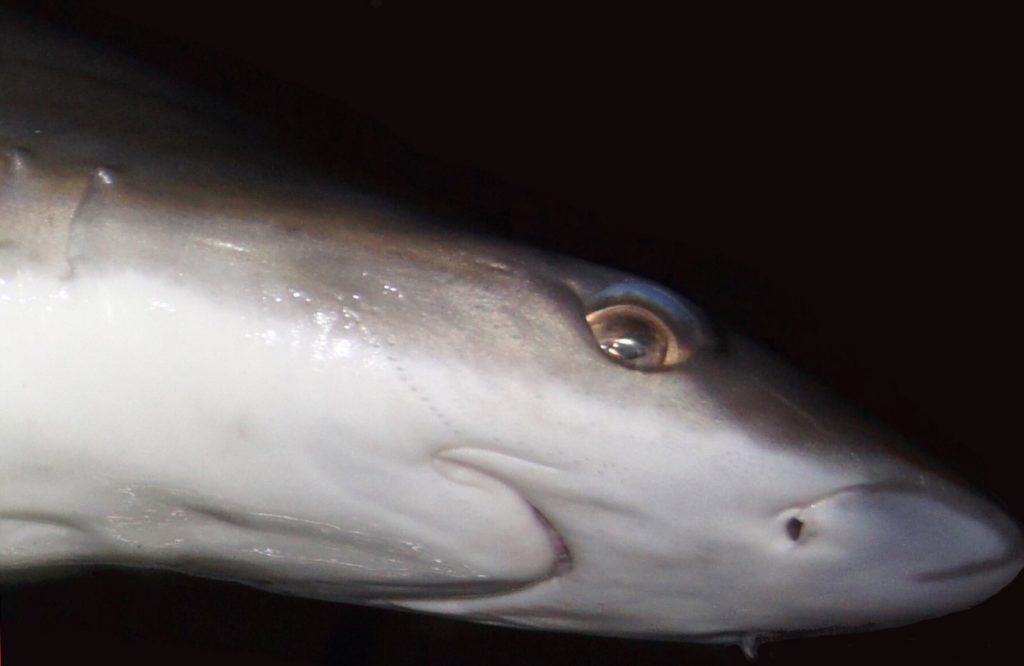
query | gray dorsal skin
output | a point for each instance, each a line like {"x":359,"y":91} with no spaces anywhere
{"x":217,"y":367}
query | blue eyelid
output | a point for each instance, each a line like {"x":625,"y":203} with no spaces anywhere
{"x":683,"y":317}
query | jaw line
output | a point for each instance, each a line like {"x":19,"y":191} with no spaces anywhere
{"x":500,"y":466}
{"x":563,"y":562}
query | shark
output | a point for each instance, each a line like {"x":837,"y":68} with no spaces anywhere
{"x":220,"y":365}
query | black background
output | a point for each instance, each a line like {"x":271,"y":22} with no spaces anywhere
{"x":837,"y":187}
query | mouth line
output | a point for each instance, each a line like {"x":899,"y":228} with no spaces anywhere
{"x":499,"y":466}
{"x":978,"y":567}
{"x":563,"y":562}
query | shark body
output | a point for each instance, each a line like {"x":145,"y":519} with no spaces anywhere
{"x":218,"y":366}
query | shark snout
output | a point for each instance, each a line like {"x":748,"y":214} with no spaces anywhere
{"x":934,"y":544}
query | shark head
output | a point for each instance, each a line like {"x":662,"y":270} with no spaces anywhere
{"x":690,"y":483}
{"x":458,"y":427}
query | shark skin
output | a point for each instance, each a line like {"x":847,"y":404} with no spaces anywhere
{"x":223,"y":367}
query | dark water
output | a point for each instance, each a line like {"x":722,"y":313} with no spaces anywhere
{"x":835,"y":193}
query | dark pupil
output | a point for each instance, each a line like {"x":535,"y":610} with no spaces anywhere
{"x":624,"y":335}
{"x":627,"y":348}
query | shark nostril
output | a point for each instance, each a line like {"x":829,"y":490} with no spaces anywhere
{"x":794,"y":528}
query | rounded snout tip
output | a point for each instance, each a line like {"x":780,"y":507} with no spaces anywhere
{"x":973,"y":539}
{"x":937,"y":548}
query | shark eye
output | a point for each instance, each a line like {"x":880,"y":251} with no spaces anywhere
{"x":634,"y":337}
{"x":643,"y":327}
